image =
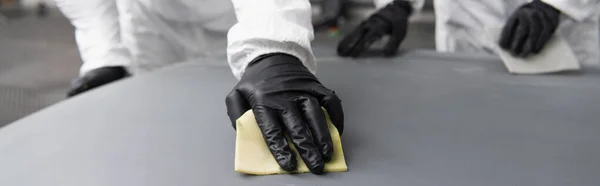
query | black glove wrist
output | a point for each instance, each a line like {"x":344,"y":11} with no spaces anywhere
{"x":540,"y":5}
{"x":265,"y":61}
{"x":286,"y":99}
{"x":406,"y":7}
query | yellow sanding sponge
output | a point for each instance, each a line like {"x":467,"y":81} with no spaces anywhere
{"x":252,"y":155}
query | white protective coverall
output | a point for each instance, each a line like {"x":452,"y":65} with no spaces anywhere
{"x":144,"y":35}
{"x":461,"y":24}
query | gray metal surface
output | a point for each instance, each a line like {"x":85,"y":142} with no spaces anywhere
{"x":420,"y":119}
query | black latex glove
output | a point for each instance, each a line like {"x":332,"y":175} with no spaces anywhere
{"x":96,"y":78}
{"x":529,"y":28}
{"x":391,"y":20}
{"x":286,"y":100}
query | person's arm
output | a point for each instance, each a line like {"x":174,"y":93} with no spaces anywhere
{"x":98,"y":36}
{"x":270,"y":26}
{"x":269,"y":52}
{"x":578,"y":10}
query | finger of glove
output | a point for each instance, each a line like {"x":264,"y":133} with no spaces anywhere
{"x":393,"y":44}
{"x":76,"y":90}
{"x":347,"y":44}
{"x":97,"y":78}
{"x":397,"y":36}
{"x":273,"y":133}
{"x":301,"y":137}
{"x":315,"y":118}
{"x":365,"y":43}
{"x":535,"y":28}
{"x":237,"y":105}
{"x":508,"y":32}
{"x":85,"y":84}
{"x":520,"y":35}
{"x":333,"y":105}
{"x":547,"y":31}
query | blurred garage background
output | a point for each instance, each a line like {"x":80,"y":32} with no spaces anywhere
{"x":38,"y":55}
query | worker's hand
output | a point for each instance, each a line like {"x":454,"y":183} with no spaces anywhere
{"x":286,"y":100}
{"x":529,"y":28}
{"x":391,"y":20}
{"x":96,"y":78}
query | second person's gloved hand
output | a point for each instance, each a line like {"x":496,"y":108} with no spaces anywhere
{"x":529,"y":28}
{"x":96,"y":78}
{"x":286,"y":100}
{"x":391,"y":20}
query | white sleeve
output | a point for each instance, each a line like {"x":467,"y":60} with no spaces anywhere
{"x":417,"y":5}
{"x":97,"y":33}
{"x":269,"y":26}
{"x":576,"y":9}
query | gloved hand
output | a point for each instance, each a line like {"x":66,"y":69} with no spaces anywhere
{"x":96,"y":78}
{"x":286,"y":100}
{"x":529,"y":28}
{"x":391,"y":20}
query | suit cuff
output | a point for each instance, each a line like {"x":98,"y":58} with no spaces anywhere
{"x":578,"y":10}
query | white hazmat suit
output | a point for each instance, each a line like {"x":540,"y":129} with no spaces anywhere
{"x":461,"y":24}
{"x":143,"y":35}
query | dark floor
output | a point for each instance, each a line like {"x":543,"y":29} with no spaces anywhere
{"x":38,"y":58}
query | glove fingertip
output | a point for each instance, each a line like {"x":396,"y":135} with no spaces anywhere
{"x":318,"y":168}
{"x":327,"y":153}
{"x":390,"y":52}
{"x":349,"y":42}
{"x":342,"y":49}
{"x":287,"y":163}
{"x":72,"y":93}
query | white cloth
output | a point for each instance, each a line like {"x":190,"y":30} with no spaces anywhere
{"x":144,"y":35}
{"x":461,"y":24}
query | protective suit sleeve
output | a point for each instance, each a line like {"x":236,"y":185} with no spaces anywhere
{"x":270,"y":26}
{"x":417,"y":5}
{"x":576,"y":9}
{"x":97,"y":32}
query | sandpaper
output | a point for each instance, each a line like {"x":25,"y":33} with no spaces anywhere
{"x":252,"y":155}
{"x":556,"y":56}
